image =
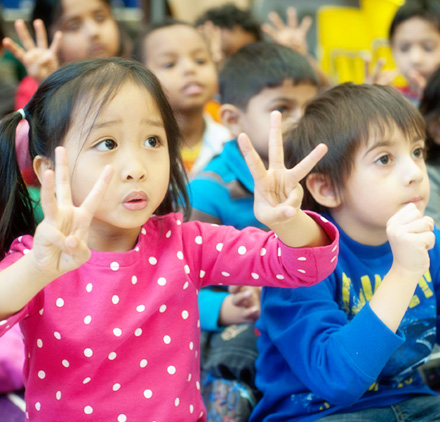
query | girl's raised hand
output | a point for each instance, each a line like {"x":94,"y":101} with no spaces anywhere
{"x":60,"y":241}
{"x":278,"y":193}
{"x":40,"y":60}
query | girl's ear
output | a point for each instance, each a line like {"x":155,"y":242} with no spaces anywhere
{"x":230,"y":117}
{"x":321,"y":188}
{"x":41,"y":164}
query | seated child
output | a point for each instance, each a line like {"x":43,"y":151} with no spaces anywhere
{"x":349,"y":349}
{"x":105,"y":287}
{"x":430,"y":109}
{"x":415,"y":44}
{"x":258,"y":79}
{"x":237,"y":27}
{"x":179,"y":56}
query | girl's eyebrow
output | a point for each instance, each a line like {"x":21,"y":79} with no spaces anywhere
{"x":146,"y":121}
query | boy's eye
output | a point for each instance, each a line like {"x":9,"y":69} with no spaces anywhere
{"x":383,"y":160}
{"x":106,"y":145}
{"x":428,"y":47}
{"x":152,"y":142}
{"x":168,"y":65}
{"x":71,"y":26}
{"x":404,"y":47}
{"x":100,"y":17}
{"x":200,"y":61}
{"x":419,"y":153}
{"x":281,"y":108}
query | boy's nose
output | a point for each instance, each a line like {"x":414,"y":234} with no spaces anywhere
{"x":412,"y":173}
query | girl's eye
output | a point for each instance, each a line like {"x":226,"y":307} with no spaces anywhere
{"x":168,"y":65}
{"x":152,"y":142}
{"x":404,"y":48}
{"x":106,"y":145}
{"x":200,"y":61}
{"x":383,"y":160}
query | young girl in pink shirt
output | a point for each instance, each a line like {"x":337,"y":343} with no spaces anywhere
{"x":105,"y":287}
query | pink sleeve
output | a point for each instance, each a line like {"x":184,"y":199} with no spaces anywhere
{"x":222,"y":255}
{"x":26,"y":89}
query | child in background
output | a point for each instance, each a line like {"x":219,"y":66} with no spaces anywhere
{"x":105,"y":287}
{"x":257,"y":80}
{"x":76,"y":30}
{"x":235,"y":27}
{"x":179,"y":56}
{"x":7,"y":89}
{"x":430,"y":109}
{"x":415,"y":43}
{"x":349,"y":349}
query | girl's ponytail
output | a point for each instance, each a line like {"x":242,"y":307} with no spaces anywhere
{"x":16,"y":212}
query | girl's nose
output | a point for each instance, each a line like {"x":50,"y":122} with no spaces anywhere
{"x":134,"y":171}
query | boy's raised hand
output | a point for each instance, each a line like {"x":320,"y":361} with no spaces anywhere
{"x":291,"y":34}
{"x":278,"y":193}
{"x":40,"y":59}
{"x":60,"y":241}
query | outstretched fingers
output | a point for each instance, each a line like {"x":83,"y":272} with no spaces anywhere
{"x":305,"y":166}
{"x":96,"y":195}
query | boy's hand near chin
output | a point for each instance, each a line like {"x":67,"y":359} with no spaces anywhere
{"x":411,"y":236}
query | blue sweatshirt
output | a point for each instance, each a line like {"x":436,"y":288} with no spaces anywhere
{"x":322,"y":350}
{"x":224,"y":191}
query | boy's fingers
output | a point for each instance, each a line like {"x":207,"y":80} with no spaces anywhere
{"x":306,"y":24}
{"x":304,"y":167}
{"x":276,"y":152}
{"x":292,"y":17}
{"x":253,"y":160}
{"x":274,"y":17}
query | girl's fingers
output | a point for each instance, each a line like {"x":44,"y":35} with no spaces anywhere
{"x":40,"y":34}
{"x":304,"y":167}
{"x":47,"y":194}
{"x":56,"y":42}
{"x":14,"y":48}
{"x":96,"y":195}
{"x":23,"y":34}
{"x":276,"y":152}
{"x":253,"y":160}
{"x":62,"y":178}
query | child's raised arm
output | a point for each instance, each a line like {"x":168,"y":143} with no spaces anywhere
{"x":278,"y":193}
{"x":40,"y":59}
{"x":60,"y":240}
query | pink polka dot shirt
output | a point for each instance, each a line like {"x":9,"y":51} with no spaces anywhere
{"x":118,"y":338}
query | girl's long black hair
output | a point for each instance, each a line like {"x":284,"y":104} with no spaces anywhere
{"x":92,"y":84}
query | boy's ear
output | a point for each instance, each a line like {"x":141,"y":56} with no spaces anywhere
{"x":40,"y":164}
{"x":321,"y":188}
{"x":230,"y":117}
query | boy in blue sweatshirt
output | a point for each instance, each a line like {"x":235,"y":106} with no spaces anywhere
{"x":260,"y":78}
{"x":349,"y":348}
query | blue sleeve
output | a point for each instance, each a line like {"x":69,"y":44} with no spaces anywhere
{"x":208,"y":196}
{"x":311,"y":337}
{"x":210,"y":303}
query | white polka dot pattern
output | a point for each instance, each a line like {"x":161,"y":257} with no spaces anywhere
{"x":126,"y":325}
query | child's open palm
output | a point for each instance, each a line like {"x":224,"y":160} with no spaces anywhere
{"x":278,"y":193}
{"x":60,"y":241}
{"x":40,"y":59}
